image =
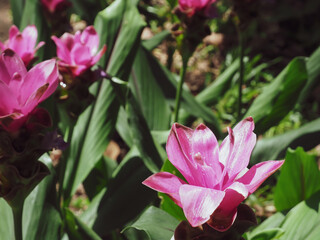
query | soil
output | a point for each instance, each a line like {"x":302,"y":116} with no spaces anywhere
{"x":5,"y":19}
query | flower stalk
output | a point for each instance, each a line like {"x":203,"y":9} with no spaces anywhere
{"x":183,"y":70}
{"x":17,"y":219}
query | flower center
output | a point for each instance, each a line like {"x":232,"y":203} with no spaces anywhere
{"x":198,"y":158}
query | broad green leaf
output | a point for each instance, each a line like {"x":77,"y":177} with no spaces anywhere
{"x":99,"y":176}
{"x":17,"y":10}
{"x":41,"y":218}
{"x":33,"y":14}
{"x":96,"y":125}
{"x":157,"y":224}
{"x":76,"y":229}
{"x":275,"y":148}
{"x":298,"y":180}
{"x":141,"y":136}
{"x":90,"y":137}
{"x":148,"y":93}
{"x":88,"y":9}
{"x":211,"y":94}
{"x":313,"y":68}
{"x":114,"y":24}
{"x":168,"y":83}
{"x":303,"y":221}
{"x":152,"y":43}
{"x":279,"y":97}
{"x":167,"y":203}
{"x":125,"y":197}
{"x":6,"y":220}
{"x":269,"y":234}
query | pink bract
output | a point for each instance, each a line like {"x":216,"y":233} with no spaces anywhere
{"x":78,"y":52}
{"x":53,"y":5}
{"x":24,"y":44}
{"x":217,"y":176}
{"x":190,"y":7}
{"x":22,"y":91}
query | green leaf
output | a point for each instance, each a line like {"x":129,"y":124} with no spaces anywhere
{"x":268,"y":234}
{"x":157,"y":224}
{"x":6,"y":220}
{"x":141,"y":136}
{"x":41,"y":218}
{"x":167,"y":203}
{"x":279,"y":97}
{"x":76,"y":229}
{"x":168,"y":83}
{"x":88,"y":9}
{"x":33,"y":14}
{"x":95,"y":126}
{"x":148,"y":93}
{"x":17,"y":10}
{"x":274,"y":148}
{"x":313,"y":68}
{"x":90,"y":137}
{"x":125,"y":197}
{"x":302,"y":222}
{"x":298,"y":180}
{"x":211,"y":94}
{"x":155,"y":41}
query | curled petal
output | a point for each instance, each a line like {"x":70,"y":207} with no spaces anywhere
{"x":199,"y":203}
{"x":97,"y":57}
{"x":179,"y":151}
{"x":258,"y":174}
{"x":90,"y":38}
{"x":242,"y":139}
{"x":64,"y":46}
{"x":223,"y":218}
{"x":166,"y":183}
{"x":30,"y":35}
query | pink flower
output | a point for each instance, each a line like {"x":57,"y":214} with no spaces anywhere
{"x":54,"y":5}
{"x":22,"y":91}
{"x":78,"y":52}
{"x":190,"y":7}
{"x":24,"y":44}
{"x":217,"y":177}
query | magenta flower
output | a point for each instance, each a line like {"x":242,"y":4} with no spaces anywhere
{"x":54,"y":5}
{"x":204,"y":7}
{"x":217,"y":177}
{"x":24,"y":44}
{"x":78,"y":52}
{"x":22,"y":91}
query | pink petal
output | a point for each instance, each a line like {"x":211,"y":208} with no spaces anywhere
{"x":64,"y":46}
{"x":90,"y":38}
{"x":8,"y":101}
{"x":258,"y":174}
{"x":97,"y":57}
{"x":179,"y":151}
{"x":13,"y":31}
{"x":34,"y":99}
{"x":42,"y":73}
{"x":80,"y":54}
{"x":2,"y":46}
{"x":166,"y":183}
{"x":236,"y":148}
{"x":199,"y":203}
{"x":222,"y":219}
{"x":4,"y":75}
{"x":205,"y":150}
{"x":13,"y":63}
{"x":30,"y":35}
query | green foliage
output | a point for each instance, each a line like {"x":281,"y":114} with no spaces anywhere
{"x":278,"y":98}
{"x":155,"y":223}
{"x":299,"y":179}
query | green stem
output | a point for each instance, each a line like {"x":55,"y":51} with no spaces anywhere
{"x":63,"y":163}
{"x":17,"y":219}
{"x":183,"y":71}
{"x":241,"y":74}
